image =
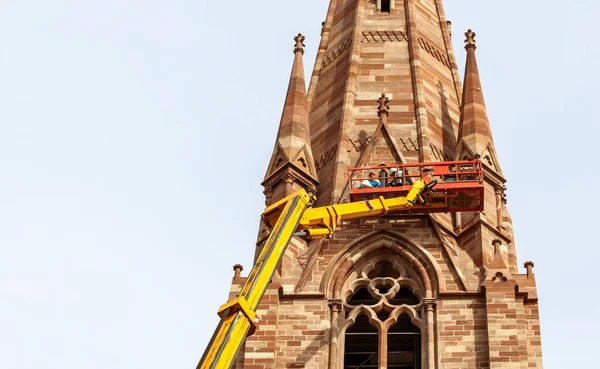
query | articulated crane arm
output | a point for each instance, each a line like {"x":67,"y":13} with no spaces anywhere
{"x":288,"y":217}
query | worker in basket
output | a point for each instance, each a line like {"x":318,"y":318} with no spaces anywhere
{"x":371,"y":182}
{"x":395,"y":178}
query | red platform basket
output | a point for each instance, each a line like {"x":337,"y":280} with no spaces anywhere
{"x":459,"y":183}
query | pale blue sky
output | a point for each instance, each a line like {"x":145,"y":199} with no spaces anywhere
{"x":121,"y":122}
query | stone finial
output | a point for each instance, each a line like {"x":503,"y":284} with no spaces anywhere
{"x":299,"y":43}
{"x":237,"y":268}
{"x":470,"y":41}
{"x":383,"y":107}
{"x":529,"y":266}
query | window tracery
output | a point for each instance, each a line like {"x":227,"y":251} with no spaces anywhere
{"x":383,"y":312}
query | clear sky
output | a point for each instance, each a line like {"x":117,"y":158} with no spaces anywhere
{"x":134,"y":136}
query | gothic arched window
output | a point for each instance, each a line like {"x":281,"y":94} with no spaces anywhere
{"x":404,"y":345}
{"x":361,"y":345}
{"x":383,"y":311}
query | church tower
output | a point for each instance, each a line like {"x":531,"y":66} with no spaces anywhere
{"x":438,"y":291}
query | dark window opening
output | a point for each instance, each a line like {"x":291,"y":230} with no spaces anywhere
{"x":386,"y":6}
{"x":383,"y":315}
{"x":404,"y":345}
{"x":362,"y":297}
{"x":361,"y":345}
{"x":383,"y":287}
{"x":383,"y":290}
{"x":405,"y":297}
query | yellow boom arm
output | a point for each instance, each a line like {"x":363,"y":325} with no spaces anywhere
{"x":287,"y":217}
{"x":322,"y":221}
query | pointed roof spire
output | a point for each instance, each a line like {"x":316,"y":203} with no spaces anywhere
{"x":292,"y":148}
{"x":475,"y":135}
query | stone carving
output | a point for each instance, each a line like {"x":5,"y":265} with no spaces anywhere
{"x":302,"y":162}
{"x":425,"y":45}
{"x":438,"y":154}
{"x":409,"y":144}
{"x":488,"y":159}
{"x":337,"y":51}
{"x":499,"y":277}
{"x":335,"y":305}
{"x":326,"y":157}
{"x":384,"y":36}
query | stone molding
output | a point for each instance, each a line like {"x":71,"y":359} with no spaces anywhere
{"x":337,"y":51}
{"x":384,"y":36}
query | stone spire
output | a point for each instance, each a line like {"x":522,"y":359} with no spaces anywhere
{"x":292,"y":160}
{"x":474,"y":135}
{"x":402,"y":49}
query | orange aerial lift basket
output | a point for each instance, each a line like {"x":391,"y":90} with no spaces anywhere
{"x":459,"y":183}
